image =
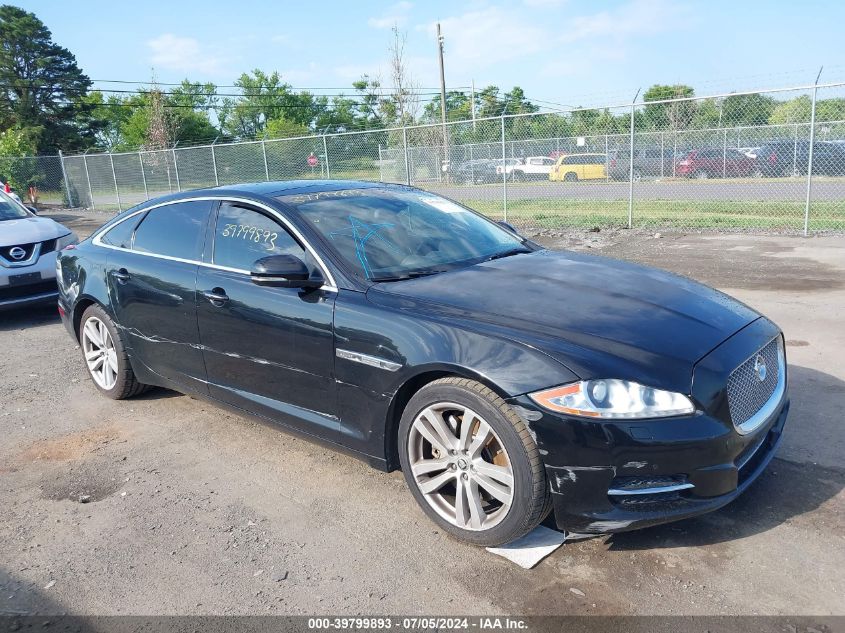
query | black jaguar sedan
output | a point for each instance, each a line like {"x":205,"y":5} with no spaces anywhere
{"x":504,"y":379}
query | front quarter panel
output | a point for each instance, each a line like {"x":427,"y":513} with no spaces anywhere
{"x":418,"y":344}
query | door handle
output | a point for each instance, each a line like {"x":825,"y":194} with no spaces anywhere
{"x":122,"y":275}
{"x":217,"y":296}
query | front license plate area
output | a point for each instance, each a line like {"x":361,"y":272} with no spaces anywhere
{"x":23,"y":280}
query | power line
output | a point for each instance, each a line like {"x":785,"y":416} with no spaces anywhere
{"x":163,"y":83}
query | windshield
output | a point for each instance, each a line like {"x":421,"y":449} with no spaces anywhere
{"x":391,"y":234}
{"x":11,"y":210}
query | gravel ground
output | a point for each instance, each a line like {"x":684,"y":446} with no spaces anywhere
{"x":168,"y":505}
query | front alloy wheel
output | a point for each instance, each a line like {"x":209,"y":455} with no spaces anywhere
{"x":471,"y":463}
{"x":461,"y":466}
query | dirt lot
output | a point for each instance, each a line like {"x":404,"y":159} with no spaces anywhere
{"x":195,"y":510}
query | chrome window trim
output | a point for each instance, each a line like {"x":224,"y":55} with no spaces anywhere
{"x":330,"y":285}
{"x":771,"y":405}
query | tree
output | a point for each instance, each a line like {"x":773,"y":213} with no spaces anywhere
{"x":15,"y":143}
{"x":752,"y":109}
{"x":265,"y":97}
{"x":41,"y":87}
{"x":674,"y":115}
{"x":403,"y":104}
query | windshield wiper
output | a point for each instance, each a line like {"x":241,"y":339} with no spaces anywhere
{"x":410,"y":275}
{"x":508,"y":253}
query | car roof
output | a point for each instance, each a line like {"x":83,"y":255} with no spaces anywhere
{"x":281,"y":187}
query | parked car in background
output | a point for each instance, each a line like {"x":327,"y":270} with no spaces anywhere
{"x":28,"y":246}
{"x":648,"y":162}
{"x":474,"y":172}
{"x":715,"y":162}
{"x":530,"y":168}
{"x":791,"y":158}
{"x":574,"y":167}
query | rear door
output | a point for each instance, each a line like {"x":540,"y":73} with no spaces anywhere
{"x":152,"y":285}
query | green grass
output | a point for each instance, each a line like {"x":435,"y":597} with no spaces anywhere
{"x":771,"y":215}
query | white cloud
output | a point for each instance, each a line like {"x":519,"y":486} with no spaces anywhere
{"x":396,"y":14}
{"x":183,"y":54}
{"x":544,"y":4}
{"x":636,"y":18}
{"x":482,"y":38}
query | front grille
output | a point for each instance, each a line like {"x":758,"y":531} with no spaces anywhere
{"x":747,"y":393}
{"x":6,"y":252}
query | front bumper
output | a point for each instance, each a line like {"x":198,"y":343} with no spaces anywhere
{"x":38,"y":285}
{"x":699,"y":462}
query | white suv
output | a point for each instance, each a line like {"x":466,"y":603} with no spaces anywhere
{"x":28,"y":247}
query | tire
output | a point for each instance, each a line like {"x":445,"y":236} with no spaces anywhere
{"x":702,"y":175}
{"x":637,"y":175}
{"x":570,"y":177}
{"x":499,"y":446}
{"x":114,"y":378}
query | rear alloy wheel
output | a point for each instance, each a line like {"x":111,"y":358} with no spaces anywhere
{"x":471,"y":463}
{"x":571,"y":177}
{"x":105,"y":355}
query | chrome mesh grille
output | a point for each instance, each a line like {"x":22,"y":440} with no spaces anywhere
{"x":746,"y":392}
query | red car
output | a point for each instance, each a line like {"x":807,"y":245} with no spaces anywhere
{"x":715,"y":163}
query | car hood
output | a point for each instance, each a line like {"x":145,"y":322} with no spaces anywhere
{"x":599,"y":317}
{"x":30,"y":230}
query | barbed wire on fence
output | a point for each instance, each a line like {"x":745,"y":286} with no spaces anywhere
{"x":765,"y":160}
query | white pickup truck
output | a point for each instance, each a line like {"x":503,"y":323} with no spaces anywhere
{"x":530,"y":168}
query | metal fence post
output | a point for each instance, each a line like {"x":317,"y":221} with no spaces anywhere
{"x":88,"y":178}
{"x":725,"y":154}
{"x":176,"y":170}
{"x":214,"y":164}
{"x":662,"y":155}
{"x":606,"y":161}
{"x":795,"y":151}
{"x":380,"y":165}
{"x":143,"y":176}
{"x":266,"y":168}
{"x":326,"y":153}
{"x":810,"y":154}
{"x":674,"y":152}
{"x":631,"y":167}
{"x":114,"y":177}
{"x":407,"y":163}
{"x":64,"y":177}
{"x":504,"y":174}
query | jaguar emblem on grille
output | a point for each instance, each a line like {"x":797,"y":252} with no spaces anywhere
{"x":17,"y":253}
{"x":760,"y":367}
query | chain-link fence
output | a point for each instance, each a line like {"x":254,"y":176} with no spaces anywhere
{"x":770,"y":161}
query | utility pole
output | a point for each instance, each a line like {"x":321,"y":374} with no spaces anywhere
{"x":442,"y":97}
{"x":472,"y":103}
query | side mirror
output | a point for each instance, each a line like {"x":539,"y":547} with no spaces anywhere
{"x":284,"y":271}
{"x":32,"y":210}
{"x":508,"y":226}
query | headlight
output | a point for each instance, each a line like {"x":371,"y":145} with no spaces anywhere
{"x":614,"y":399}
{"x":66,"y":240}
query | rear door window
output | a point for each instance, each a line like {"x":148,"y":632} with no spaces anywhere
{"x":120,"y":235}
{"x":174,"y":230}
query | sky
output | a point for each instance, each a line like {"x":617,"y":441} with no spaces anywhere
{"x":561,"y":52}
